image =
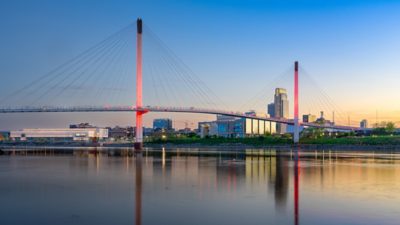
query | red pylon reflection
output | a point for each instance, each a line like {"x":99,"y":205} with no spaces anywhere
{"x":296,"y":186}
{"x":138,"y":189}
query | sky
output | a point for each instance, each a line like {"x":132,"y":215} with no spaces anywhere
{"x":350,"y":48}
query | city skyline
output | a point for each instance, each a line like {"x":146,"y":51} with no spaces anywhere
{"x":360,"y":93}
{"x":199,"y":112}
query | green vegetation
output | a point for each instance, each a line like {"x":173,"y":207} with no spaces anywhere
{"x":286,"y":140}
{"x":354,"y":140}
{"x":384,"y":128}
{"x":382,"y":134}
{"x":256,"y":141}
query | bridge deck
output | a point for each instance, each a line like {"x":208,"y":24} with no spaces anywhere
{"x":167,"y":109}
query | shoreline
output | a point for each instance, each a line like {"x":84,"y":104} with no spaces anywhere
{"x":224,"y":146}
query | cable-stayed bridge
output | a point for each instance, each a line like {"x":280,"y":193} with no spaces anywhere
{"x":98,"y":71}
{"x":171,"y":110}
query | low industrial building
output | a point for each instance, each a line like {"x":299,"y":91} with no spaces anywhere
{"x":121,"y":132}
{"x":227,"y":126}
{"x":67,"y":134}
{"x":208,"y":129}
{"x":162,"y":124}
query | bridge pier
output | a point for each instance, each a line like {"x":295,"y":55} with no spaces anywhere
{"x":296,"y":103}
{"x":139,"y":114}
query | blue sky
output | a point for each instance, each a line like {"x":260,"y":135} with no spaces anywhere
{"x":351,"y":48}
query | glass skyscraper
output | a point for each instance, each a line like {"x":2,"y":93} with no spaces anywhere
{"x":281,"y":105}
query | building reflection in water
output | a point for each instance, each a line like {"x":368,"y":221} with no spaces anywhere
{"x":224,"y":173}
{"x":222,"y":187}
{"x":217,"y":173}
{"x":281,"y":181}
{"x":227,"y":187}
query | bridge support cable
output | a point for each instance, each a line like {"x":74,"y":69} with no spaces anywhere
{"x":99,"y":77}
{"x":29,"y":89}
{"x":191,"y":89}
{"x":156,"y":76}
{"x":54,"y":85}
{"x":188,"y":85}
{"x":103,"y":80}
{"x":59,"y":87}
{"x":90,"y":77}
{"x":260,"y":100}
{"x":155,"y":87}
{"x":43,"y":87}
{"x":325,"y":103}
{"x":111,"y":92}
{"x":177,"y":84}
{"x":48,"y":92}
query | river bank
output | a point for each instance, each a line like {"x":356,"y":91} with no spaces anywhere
{"x":351,"y":143}
{"x":224,"y":147}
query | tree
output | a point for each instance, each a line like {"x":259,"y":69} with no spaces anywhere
{"x":390,"y":127}
{"x":312,"y":132}
{"x":384,"y":128}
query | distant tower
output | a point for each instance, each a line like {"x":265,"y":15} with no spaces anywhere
{"x":281,"y":105}
{"x":364,"y":123}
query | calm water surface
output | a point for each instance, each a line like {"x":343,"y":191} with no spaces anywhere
{"x":184,"y":186}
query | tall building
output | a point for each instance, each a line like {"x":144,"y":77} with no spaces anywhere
{"x":162,"y":124}
{"x":281,"y":105}
{"x":364,"y":123}
{"x":271,"y":110}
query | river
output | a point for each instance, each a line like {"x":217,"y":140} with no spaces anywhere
{"x":200,"y":186}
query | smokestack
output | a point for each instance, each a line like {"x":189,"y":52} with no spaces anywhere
{"x":296,"y":66}
{"x":139,"y":25}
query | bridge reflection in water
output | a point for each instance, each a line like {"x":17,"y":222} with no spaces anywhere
{"x":231,"y":171}
{"x":138,"y":189}
{"x":211,"y":186}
